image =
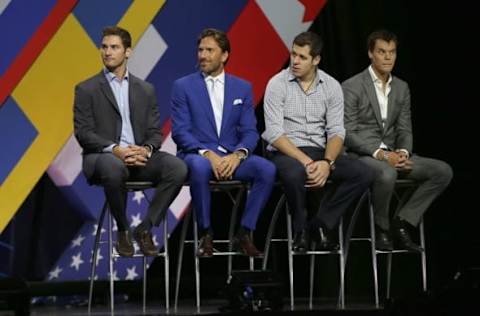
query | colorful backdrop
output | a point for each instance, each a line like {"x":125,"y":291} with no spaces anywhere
{"x":55,"y":47}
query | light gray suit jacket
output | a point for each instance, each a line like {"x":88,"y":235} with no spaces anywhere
{"x":97,"y":119}
{"x":363,"y":120}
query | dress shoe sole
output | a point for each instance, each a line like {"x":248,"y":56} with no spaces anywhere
{"x":237,"y":247}
{"x":204,"y":255}
{"x":128,"y":254}
{"x":382,"y":247}
{"x":147,"y":253}
{"x":299,"y":250}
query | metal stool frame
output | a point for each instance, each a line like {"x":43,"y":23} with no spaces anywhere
{"x":342,"y":252}
{"x":409,"y":186}
{"x":131,"y":186}
{"x":227,"y":186}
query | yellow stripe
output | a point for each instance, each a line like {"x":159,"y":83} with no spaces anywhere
{"x":139,"y":16}
{"x":45,"y":95}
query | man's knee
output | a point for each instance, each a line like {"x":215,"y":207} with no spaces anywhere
{"x":266,"y":170}
{"x":199,"y":168}
{"x":386,"y":177}
{"x":445,"y":172}
{"x":293,"y":176}
{"x":180,"y":170}
{"x":365,"y":174}
{"x":111,"y":170}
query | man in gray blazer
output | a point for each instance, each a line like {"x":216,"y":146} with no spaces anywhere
{"x":379,"y":131}
{"x":116,"y":121}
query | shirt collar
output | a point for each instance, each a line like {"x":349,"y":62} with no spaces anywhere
{"x":111,"y":76}
{"x":220,"y":78}
{"x":375,"y":79}
{"x":318,"y":77}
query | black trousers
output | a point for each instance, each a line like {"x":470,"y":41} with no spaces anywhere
{"x":350,"y":179}
{"x":166,"y":171}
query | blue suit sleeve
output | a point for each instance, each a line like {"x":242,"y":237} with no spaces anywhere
{"x":247,"y":127}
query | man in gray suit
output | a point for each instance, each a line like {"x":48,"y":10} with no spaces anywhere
{"x":379,"y":131}
{"x":117,"y":123}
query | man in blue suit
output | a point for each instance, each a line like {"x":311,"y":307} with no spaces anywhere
{"x":214,"y":127}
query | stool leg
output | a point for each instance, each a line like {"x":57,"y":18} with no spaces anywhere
{"x":183,"y":235}
{"x":351,"y":225}
{"x":110,"y":261}
{"x":251,"y":261}
{"x":167,"y":263}
{"x":389,"y":273}
{"x":312,"y":275}
{"x":374,"y":252}
{"x":290,"y":256}
{"x":271,"y":229}
{"x":144,"y":261}
{"x":423,"y":255}
{"x":197,"y":262}
{"x":144,"y":300}
{"x":96,"y":244}
{"x":231,"y":229}
{"x":343,"y":254}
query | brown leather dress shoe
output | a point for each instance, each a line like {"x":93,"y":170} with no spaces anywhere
{"x":205,"y":249}
{"x":145,"y":242}
{"x":245,"y":245}
{"x":124,"y":244}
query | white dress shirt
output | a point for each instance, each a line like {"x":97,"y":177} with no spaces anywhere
{"x":216,"y":92}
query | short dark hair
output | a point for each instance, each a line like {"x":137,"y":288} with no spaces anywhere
{"x":122,"y":33}
{"x":311,"y":39}
{"x":384,"y":35}
{"x":219,"y":36}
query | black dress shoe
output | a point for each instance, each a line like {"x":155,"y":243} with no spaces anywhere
{"x":402,"y":237}
{"x":321,"y":239}
{"x":382,"y":240}
{"x":124,"y":244}
{"x":244,"y":244}
{"x":145,"y":242}
{"x":300,"y":242}
{"x":205,"y":249}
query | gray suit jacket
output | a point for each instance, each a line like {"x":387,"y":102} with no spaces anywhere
{"x":97,"y":120}
{"x":363,"y":120}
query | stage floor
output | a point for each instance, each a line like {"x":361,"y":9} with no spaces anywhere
{"x":209,"y":307}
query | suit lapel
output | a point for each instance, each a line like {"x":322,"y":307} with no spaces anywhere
{"x":132,"y":96}
{"x":227,"y":103}
{"x":107,"y":91}
{"x":202,"y":91}
{"x":372,"y":96}
{"x":391,"y":109}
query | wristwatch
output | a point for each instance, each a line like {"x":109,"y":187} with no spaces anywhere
{"x":240,"y":155}
{"x":149,"y":149}
{"x":330,"y":162}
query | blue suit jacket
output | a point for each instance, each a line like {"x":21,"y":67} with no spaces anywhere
{"x":193,"y":122}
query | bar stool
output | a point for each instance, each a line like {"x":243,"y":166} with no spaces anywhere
{"x":342,"y":252}
{"x":408,"y":187}
{"x":235,"y":190}
{"x":131,"y":186}
{"x":403,"y":190}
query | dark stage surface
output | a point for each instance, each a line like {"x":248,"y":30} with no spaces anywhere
{"x":458,"y":297}
{"x":420,"y":306}
{"x":210,"y":307}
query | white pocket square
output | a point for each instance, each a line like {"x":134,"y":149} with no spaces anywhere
{"x":237,"y":101}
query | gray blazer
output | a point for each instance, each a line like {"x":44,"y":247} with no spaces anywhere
{"x":97,"y":120}
{"x":363,"y":120}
